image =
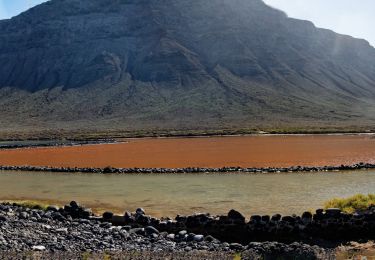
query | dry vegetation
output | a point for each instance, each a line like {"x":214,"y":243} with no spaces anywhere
{"x":352,"y":204}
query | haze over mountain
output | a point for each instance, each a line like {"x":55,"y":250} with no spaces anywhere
{"x":139,"y":64}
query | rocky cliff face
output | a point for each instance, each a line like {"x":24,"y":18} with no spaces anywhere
{"x":178,"y":63}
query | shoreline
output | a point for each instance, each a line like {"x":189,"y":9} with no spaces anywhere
{"x":191,"y":170}
{"x":104,"y":136}
{"x":307,"y":236}
{"x":56,"y":144}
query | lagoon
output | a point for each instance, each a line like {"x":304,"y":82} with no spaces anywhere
{"x":172,"y":194}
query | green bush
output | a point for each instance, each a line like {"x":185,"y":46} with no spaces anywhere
{"x":352,"y":204}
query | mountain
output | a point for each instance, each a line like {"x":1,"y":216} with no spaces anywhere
{"x":138,"y":64}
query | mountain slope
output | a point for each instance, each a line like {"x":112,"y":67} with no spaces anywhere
{"x":179,"y":64}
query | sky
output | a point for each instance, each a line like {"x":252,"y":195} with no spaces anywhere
{"x":9,"y":8}
{"x":352,"y":17}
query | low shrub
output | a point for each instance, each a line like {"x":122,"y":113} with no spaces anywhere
{"x":352,"y":204}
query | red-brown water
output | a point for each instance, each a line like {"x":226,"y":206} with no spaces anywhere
{"x":245,"y":151}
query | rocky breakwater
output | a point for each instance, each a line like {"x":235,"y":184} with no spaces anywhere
{"x":328,"y":227}
{"x":192,"y":170}
{"x":6,"y":145}
{"x":74,"y":228}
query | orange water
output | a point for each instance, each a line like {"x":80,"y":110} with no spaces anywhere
{"x":245,"y":151}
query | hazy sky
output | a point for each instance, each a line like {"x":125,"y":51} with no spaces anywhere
{"x":9,"y":8}
{"x":353,"y":17}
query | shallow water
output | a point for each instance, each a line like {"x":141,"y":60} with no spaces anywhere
{"x":169,"y":195}
{"x":244,"y":151}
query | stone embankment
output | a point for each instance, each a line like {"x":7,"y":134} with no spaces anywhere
{"x":74,"y":228}
{"x":40,"y":144}
{"x":109,"y":170}
{"x":330,"y":225}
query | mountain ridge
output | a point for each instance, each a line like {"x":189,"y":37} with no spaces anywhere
{"x":179,"y":64}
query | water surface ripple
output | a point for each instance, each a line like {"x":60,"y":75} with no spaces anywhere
{"x":169,"y":195}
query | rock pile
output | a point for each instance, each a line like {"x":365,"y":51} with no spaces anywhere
{"x":330,"y":225}
{"x":73,"y":229}
{"x":110,"y":170}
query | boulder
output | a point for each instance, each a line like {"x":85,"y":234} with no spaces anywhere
{"x":143,"y":220}
{"x":307,"y":215}
{"x":288,"y":219}
{"x":23,"y":215}
{"x":333,"y":212}
{"x":138,"y":231}
{"x":198,"y":238}
{"x":52,"y":208}
{"x":209,"y":238}
{"x":74,"y":204}
{"x":107,"y":215}
{"x":38,"y":248}
{"x":151,"y":230}
{"x":118,"y":220}
{"x":57,"y":216}
{"x":235,"y":215}
{"x":256,"y":218}
{"x":140,"y":211}
{"x":182,"y":233}
{"x":276,"y":217}
{"x":236,"y":247}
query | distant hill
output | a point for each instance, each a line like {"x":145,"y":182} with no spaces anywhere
{"x":178,"y":64}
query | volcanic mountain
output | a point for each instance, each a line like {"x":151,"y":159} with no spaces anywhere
{"x":177,"y":64}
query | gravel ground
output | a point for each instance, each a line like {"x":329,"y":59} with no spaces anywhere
{"x":37,"y":234}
